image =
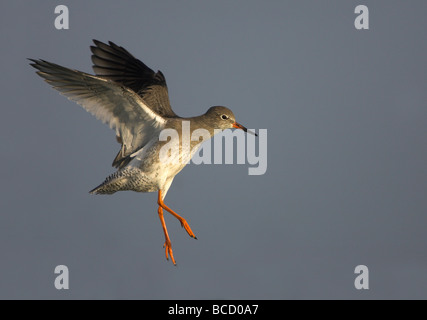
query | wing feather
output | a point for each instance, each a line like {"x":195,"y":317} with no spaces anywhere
{"x":118,"y":106}
{"x":116,"y":63}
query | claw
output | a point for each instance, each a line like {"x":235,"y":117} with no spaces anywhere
{"x":187,"y":228}
{"x":168,"y":251}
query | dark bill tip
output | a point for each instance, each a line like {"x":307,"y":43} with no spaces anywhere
{"x":239,"y":126}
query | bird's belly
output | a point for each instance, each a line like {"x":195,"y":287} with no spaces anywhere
{"x":142,"y":183}
{"x":159,"y":173}
{"x":160,"y":169}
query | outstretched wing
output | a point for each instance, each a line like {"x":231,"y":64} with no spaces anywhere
{"x":135,"y":123}
{"x":117,"y":64}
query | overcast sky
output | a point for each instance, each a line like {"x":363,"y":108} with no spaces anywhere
{"x":345,"y":111}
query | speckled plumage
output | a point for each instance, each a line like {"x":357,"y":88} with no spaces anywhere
{"x":133,"y":100}
{"x":145,"y":173}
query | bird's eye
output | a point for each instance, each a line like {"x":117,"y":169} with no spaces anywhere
{"x":224,"y":117}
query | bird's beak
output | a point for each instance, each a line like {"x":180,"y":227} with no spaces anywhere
{"x":239,"y":126}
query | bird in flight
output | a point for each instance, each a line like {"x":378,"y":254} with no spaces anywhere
{"x":133,"y":100}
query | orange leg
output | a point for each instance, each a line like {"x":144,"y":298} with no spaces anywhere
{"x":167,"y":245}
{"x":181,"y":219}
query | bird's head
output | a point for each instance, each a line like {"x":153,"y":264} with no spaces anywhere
{"x":223,"y":118}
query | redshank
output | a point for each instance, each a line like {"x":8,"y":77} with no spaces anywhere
{"x":133,"y":100}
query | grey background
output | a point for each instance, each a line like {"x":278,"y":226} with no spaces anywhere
{"x":346,"y":181}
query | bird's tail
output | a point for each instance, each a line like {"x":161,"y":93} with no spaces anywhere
{"x":106,"y":187}
{"x":118,"y":181}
